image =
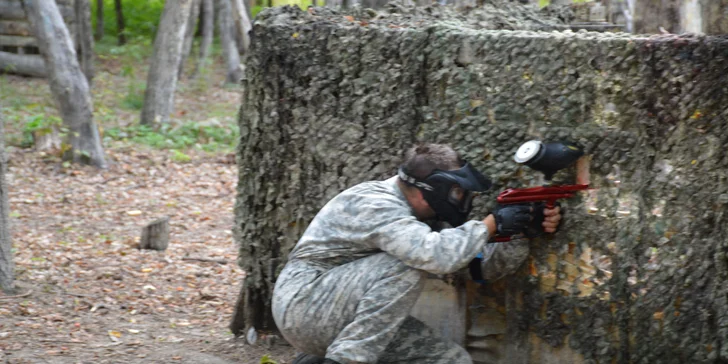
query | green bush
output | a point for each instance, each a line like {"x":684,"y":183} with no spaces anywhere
{"x":42,"y":124}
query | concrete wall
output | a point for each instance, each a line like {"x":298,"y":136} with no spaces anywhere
{"x":638,"y":273}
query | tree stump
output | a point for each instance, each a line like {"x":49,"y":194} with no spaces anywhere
{"x":47,"y":139}
{"x":155,"y":235}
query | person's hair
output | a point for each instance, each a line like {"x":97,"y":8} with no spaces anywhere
{"x":421,"y":160}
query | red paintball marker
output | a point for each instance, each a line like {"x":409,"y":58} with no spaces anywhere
{"x":547,"y":158}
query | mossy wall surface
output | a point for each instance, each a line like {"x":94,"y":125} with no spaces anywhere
{"x":639,"y":271}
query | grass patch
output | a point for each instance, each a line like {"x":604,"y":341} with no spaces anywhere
{"x":134,"y":98}
{"x":210,"y":136}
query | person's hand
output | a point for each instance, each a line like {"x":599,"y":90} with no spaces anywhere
{"x":551,"y":220}
{"x":514,"y":219}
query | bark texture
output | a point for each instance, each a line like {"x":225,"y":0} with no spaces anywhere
{"x":242,"y":23}
{"x":227,"y":40}
{"x":638,"y":272}
{"x":189,"y":35}
{"x":99,"y":34}
{"x":120,"y":23}
{"x":67,"y":81}
{"x":29,"y":65}
{"x":6,"y":254}
{"x":162,"y":77}
{"x":207,"y":22}
{"x":84,"y":38}
{"x":155,"y":235}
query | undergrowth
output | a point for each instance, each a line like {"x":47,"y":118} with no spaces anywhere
{"x":209,"y":136}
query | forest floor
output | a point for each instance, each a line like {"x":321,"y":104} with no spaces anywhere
{"x":86,"y":293}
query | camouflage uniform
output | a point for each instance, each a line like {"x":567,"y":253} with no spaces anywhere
{"x":352,"y":279}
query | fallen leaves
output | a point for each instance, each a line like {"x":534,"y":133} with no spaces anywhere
{"x":93,"y":285}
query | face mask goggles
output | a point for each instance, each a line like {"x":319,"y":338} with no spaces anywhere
{"x":450,"y":193}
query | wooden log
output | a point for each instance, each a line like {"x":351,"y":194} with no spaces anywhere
{"x":17,"y":41}
{"x":155,"y":236}
{"x":15,"y":27}
{"x":13,"y":10}
{"x":28,"y":65}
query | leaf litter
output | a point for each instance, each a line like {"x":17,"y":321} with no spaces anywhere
{"x":93,"y":295}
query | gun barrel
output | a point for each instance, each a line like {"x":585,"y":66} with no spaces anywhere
{"x":534,"y":194}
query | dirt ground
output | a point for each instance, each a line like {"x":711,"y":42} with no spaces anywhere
{"x":86,"y":293}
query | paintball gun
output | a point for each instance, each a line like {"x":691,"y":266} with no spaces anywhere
{"x":547,"y":158}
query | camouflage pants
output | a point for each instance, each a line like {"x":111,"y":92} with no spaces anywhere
{"x":359,"y":313}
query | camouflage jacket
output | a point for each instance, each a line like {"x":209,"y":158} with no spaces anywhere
{"x":374,"y":216}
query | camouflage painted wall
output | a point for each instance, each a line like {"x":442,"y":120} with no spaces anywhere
{"x":639,"y":271}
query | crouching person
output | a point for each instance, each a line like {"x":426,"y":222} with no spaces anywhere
{"x":346,"y":293}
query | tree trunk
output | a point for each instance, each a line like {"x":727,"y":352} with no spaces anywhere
{"x":162,"y":77}
{"x":99,"y":20}
{"x":6,"y":253}
{"x":242,"y":23}
{"x":84,"y":39}
{"x":120,"y":27}
{"x":29,"y":65}
{"x":68,"y":83}
{"x":189,"y":35}
{"x":207,"y":23}
{"x":227,"y":40}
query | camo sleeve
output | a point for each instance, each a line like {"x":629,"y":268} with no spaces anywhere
{"x":418,"y":246}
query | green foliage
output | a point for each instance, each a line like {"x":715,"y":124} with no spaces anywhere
{"x":208,"y":136}
{"x":141,"y":17}
{"x":267,"y":360}
{"x":134,"y":98}
{"x":136,"y":50}
{"x":180,"y":157}
{"x":39,"y":124}
{"x":255,"y":10}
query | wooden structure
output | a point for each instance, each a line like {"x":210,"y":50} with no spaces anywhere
{"x":18,"y":46}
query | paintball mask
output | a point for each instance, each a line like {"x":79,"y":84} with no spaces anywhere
{"x":450,"y":193}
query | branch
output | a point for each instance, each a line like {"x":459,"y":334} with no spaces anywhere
{"x":26,"y":294}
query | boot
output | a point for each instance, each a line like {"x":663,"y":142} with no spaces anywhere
{"x":307,"y":359}
{"x":329,"y":361}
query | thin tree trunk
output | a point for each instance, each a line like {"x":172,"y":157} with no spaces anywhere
{"x":84,"y":39}
{"x":6,"y":253}
{"x":162,"y":77}
{"x":120,"y":27}
{"x":229,"y":48}
{"x":99,"y":20}
{"x":242,"y":23}
{"x":189,"y":35}
{"x":68,"y":83}
{"x":207,"y":23}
